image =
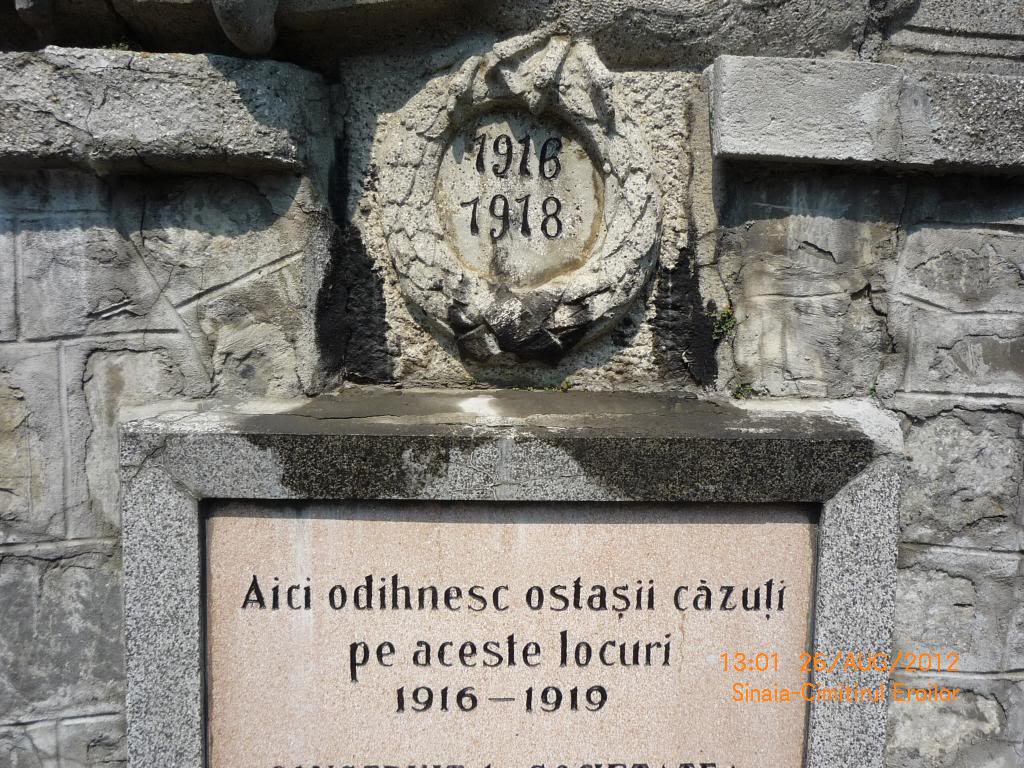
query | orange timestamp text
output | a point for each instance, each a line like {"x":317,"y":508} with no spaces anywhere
{"x":845,"y":661}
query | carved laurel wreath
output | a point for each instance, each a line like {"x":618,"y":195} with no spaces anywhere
{"x":553,"y":76}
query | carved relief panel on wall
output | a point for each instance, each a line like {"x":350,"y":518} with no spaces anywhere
{"x":518,"y":203}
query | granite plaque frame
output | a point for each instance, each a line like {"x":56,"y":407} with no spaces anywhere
{"x":469,"y":446}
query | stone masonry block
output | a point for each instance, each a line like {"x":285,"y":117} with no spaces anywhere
{"x":800,"y":235}
{"x":31,"y":445}
{"x":961,"y":602}
{"x":60,"y":649}
{"x":979,"y":27}
{"x":845,"y":112}
{"x":804,"y":261}
{"x":102,"y":378}
{"x":963,"y":269}
{"x":259,"y":341}
{"x":964,"y":354}
{"x":964,"y":481}
{"x":8,"y":307}
{"x":648,"y":33}
{"x":981,"y":727}
{"x":29,"y":746}
{"x":199,"y":235}
{"x":808,"y":346}
{"x":92,"y":741}
{"x":80,"y":276}
{"x":964,"y":120}
{"x":127,"y":111}
{"x":999,"y":18}
{"x":805,"y":109}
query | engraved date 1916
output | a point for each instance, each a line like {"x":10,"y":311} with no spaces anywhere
{"x":504,"y":212}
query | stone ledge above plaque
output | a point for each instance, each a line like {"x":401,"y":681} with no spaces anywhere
{"x":518,"y":203}
{"x":422,"y":490}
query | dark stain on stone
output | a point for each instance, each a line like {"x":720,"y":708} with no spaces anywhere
{"x":721,"y":469}
{"x":347,"y":466}
{"x":642,"y":448}
{"x":628,"y":467}
{"x":683,"y":327}
{"x":351,"y":327}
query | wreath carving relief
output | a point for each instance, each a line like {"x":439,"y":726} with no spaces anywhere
{"x":517,"y":201}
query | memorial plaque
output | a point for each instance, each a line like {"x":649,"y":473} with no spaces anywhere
{"x":505,"y":635}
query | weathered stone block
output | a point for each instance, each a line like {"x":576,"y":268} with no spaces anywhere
{"x":234,"y":259}
{"x":117,"y":110}
{"x":804,"y":264}
{"x":657,"y":32}
{"x":999,"y":18}
{"x":31,"y":444}
{"x":980,"y":27}
{"x":29,"y":746}
{"x":964,"y":120}
{"x":80,"y":276}
{"x":961,"y":602}
{"x":955,"y":308}
{"x":964,"y":354}
{"x":964,"y":481}
{"x":805,"y":109}
{"x":963,"y":270}
{"x":8,"y":307}
{"x":834,"y":111}
{"x":61,"y":645}
{"x":102,"y":378}
{"x":201,"y":235}
{"x":981,"y":727}
{"x":92,"y":741}
{"x":808,"y":347}
{"x":259,"y":338}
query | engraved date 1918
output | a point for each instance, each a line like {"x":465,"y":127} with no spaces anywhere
{"x":504,"y":212}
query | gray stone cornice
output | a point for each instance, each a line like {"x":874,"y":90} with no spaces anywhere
{"x":841,"y":112}
{"x":124,"y":111}
{"x":576,"y":445}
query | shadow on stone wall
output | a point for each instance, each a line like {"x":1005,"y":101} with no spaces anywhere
{"x":350,"y":309}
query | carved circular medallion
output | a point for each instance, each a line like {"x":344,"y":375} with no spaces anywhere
{"x":517,"y":201}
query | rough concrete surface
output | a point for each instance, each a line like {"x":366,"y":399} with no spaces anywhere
{"x":982,"y":28}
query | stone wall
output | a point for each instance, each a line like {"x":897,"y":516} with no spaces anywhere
{"x":191,"y":226}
